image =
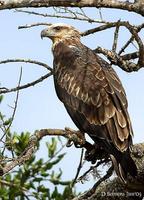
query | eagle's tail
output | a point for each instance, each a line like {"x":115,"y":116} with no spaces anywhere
{"x":123,"y":164}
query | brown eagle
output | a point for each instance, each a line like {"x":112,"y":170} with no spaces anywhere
{"x":93,"y":96}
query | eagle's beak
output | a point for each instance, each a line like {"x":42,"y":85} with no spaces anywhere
{"x":44,"y":33}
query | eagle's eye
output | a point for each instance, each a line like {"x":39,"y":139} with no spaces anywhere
{"x":57,"y":28}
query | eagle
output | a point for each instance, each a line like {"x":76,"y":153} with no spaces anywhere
{"x":93,"y":96}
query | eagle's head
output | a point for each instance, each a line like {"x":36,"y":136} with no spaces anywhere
{"x":59,"y":31}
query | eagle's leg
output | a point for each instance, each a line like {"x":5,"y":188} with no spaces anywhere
{"x":75,"y":137}
{"x":93,"y":152}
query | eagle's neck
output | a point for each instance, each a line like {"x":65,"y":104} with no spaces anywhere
{"x":68,"y":41}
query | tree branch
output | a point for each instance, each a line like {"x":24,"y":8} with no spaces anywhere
{"x":33,"y":25}
{"x":4,"y":90}
{"x":27,"y":61}
{"x":136,"y":7}
{"x":68,"y":133}
{"x":75,"y":17}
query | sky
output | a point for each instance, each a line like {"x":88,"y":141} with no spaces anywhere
{"x":38,"y":106}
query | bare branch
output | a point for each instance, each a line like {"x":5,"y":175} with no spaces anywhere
{"x":33,"y":25}
{"x":75,"y":17}
{"x":27,"y":61}
{"x":78,"y":169}
{"x":131,"y":39}
{"x":112,"y":25}
{"x":130,"y":56}
{"x":102,"y":161}
{"x":6,"y":90}
{"x":12,"y":117}
{"x":113,"y":56}
{"x":124,"y":64}
{"x":100,"y":28}
{"x":136,"y":7}
{"x":16,"y":101}
{"x":116,"y":37}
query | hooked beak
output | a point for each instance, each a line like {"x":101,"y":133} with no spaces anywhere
{"x":44,"y":33}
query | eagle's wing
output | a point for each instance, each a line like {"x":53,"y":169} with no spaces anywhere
{"x":92,"y":94}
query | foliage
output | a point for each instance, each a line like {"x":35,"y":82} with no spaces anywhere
{"x":37,"y":178}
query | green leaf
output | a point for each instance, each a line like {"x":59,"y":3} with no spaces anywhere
{"x":1,"y":98}
{"x":41,"y":188}
{"x":38,"y":179}
{"x":61,"y":156}
{"x":55,"y":193}
{"x":7,"y":122}
{"x":52,"y":147}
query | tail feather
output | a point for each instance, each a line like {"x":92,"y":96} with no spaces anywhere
{"x":123,"y":165}
{"x":122,"y":161}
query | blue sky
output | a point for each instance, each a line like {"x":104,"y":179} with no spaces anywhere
{"x":38,"y":106}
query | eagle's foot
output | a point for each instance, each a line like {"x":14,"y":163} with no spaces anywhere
{"x":75,"y":137}
{"x":96,"y":153}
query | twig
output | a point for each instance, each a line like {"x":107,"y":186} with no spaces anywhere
{"x":100,"y":13}
{"x":126,"y":45}
{"x":78,"y":169}
{"x":92,"y":168}
{"x":131,"y":39}
{"x":6,"y":90}
{"x":115,"y":37}
{"x":93,"y":189}
{"x":16,"y":101}
{"x":33,"y":25}
{"x":27,"y":61}
{"x":13,"y":114}
{"x":75,"y":17}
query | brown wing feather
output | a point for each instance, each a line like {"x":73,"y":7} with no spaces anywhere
{"x":92,"y":93}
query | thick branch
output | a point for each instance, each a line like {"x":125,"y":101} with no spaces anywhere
{"x":132,"y":7}
{"x":121,"y":61}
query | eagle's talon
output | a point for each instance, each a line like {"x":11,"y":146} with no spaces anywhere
{"x":69,"y":143}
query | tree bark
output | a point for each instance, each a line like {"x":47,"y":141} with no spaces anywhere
{"x":137,"y":7}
